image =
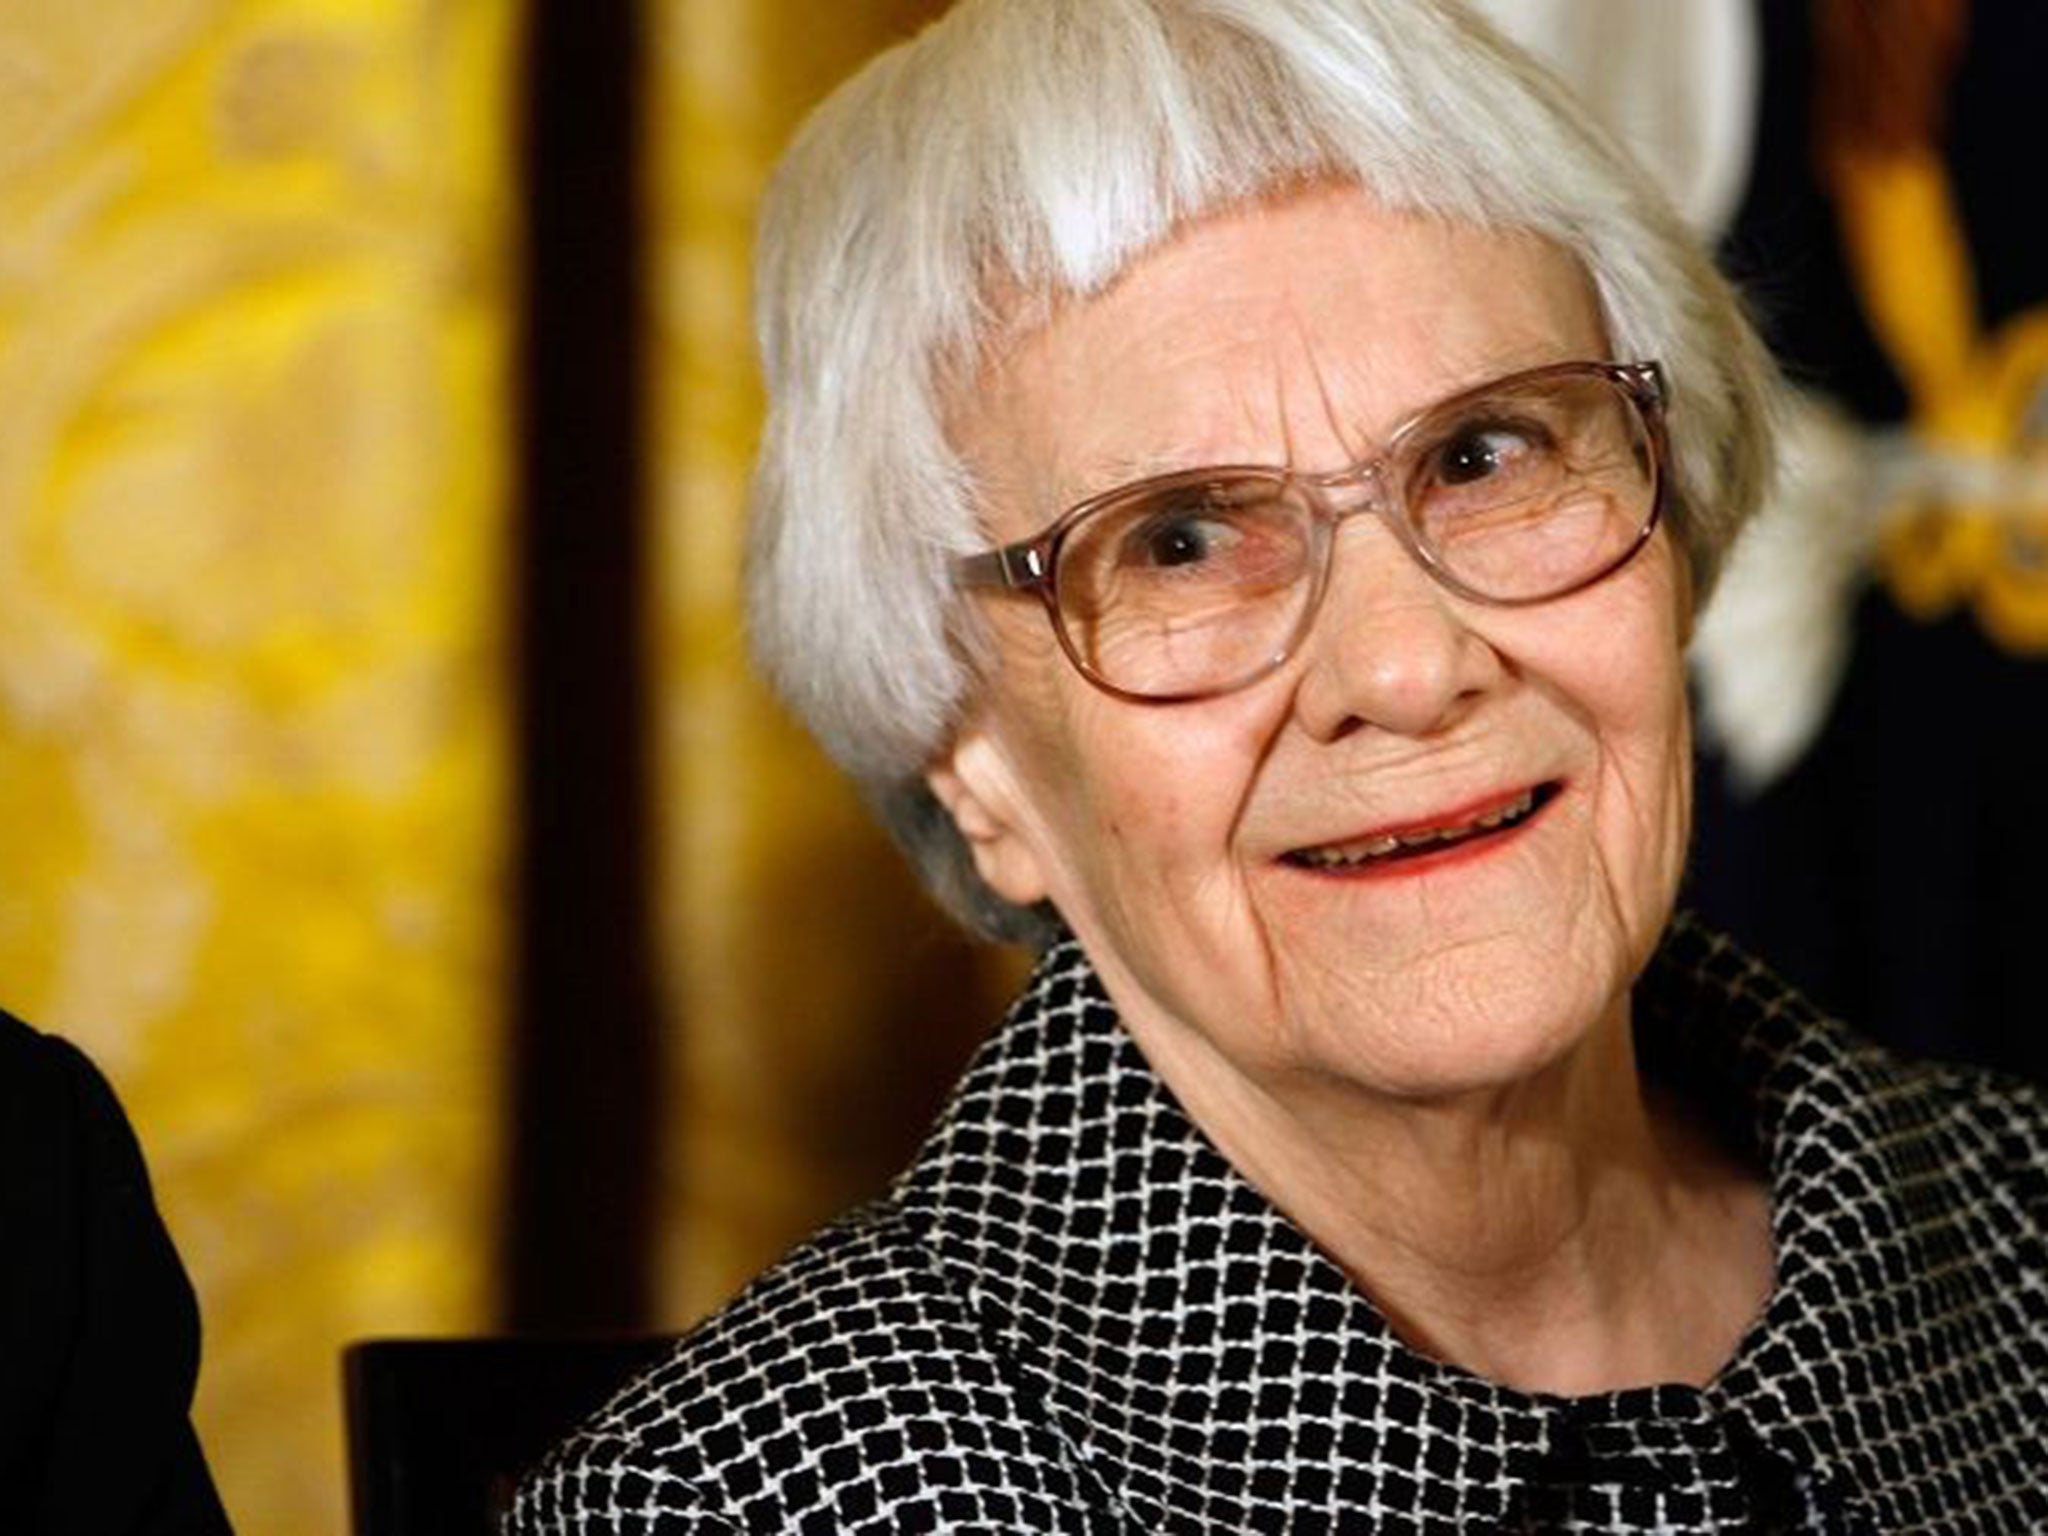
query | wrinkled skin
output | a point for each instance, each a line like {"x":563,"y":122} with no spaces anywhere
{"x":1301,"y":331}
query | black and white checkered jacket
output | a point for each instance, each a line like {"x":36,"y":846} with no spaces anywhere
{"x":1071,"y":1314}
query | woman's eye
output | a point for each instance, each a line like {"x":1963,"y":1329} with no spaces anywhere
{"x":1482,"y":451}
{"x":1185,"y":532}
{"x":1180,"y":541}
{"x":1214,"y":536}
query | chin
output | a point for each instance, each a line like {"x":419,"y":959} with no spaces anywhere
{"x":1469,"y":1025}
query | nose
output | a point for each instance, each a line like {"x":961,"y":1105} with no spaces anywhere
{"x":1389,"y":648}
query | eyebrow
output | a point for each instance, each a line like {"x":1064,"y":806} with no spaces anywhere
{"x":1107,"y":474}
{"x":1101,"y":476}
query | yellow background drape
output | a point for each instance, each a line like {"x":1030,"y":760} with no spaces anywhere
{"x":818,"y":1005}
{"x":256,"y":303}
{"x":253,"y":338}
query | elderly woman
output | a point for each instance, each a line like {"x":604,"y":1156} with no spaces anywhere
{"x":1239,"y":482}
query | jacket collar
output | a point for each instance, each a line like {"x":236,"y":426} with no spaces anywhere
{"x":1207,"y":1361}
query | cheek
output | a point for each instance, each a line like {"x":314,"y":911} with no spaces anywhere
{"x":1643,"y":729}
{"x":1618,"y":668}
{"x":1162,"y":793}
{"x":1641,"y":713}
{"x":1633,"y":672}
{"x":1138,"y":804}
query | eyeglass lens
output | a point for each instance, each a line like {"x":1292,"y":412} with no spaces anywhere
{"x":1197,"y":583}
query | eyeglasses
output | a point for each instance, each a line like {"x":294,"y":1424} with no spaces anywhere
{"x":1192,"y":584}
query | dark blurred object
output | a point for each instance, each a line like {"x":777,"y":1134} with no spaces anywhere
{"x":99,"y":1331}
{"x":439,"y":1430}
{"x":1901,"y":57}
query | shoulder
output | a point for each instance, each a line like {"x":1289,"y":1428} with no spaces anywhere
{"x":848,"y":1389}
{"x":1730,"y":1022}
{"x":40,"y":1075}
{"x":98,"y":1323}
{"x":1963,"y":1151}
{"x":1960,"y":1142}
{"x":53,"y":1099}
{"x":65,"y":1149}
{"x":1994,"y":1130}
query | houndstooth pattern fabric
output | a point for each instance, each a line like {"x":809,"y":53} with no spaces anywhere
{"x":1072,"y":1315}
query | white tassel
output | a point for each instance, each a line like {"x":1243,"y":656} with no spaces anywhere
{"x":1770,"y":650}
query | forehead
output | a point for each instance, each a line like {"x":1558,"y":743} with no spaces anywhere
{"x":1297,"y":330}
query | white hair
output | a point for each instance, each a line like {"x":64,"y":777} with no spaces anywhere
{"x":1040,"y":147}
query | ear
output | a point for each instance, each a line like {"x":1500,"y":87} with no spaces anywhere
{"x":974,"y":781}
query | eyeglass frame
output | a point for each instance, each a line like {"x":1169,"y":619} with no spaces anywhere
{"x":1032,"y":564}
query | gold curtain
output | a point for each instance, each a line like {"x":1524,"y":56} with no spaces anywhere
{"x":255,"y":316}
{"x":819,"y":1005}
{"x":253,"y":335}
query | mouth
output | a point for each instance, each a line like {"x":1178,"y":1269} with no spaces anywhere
{"x":1483,"y":825}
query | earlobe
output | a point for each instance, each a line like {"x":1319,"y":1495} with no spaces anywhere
{"x":974,"y":782}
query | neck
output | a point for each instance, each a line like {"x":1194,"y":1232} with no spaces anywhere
{"x":1562,"y":1234}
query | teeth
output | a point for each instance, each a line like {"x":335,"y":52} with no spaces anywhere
{"x":1351,"y":854}
{"x":1513,"y":810}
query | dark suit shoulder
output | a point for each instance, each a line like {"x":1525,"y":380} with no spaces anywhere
{"x":99,"y":1328}
{"x":848,"y":1389}
{"x":49,"y":1096}
{"x":59,"y":1116}
{"x":41,"y":1080}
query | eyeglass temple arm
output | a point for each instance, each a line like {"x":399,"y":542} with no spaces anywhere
{"x":1017,"y":566}
{"x":1646,"y":381}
